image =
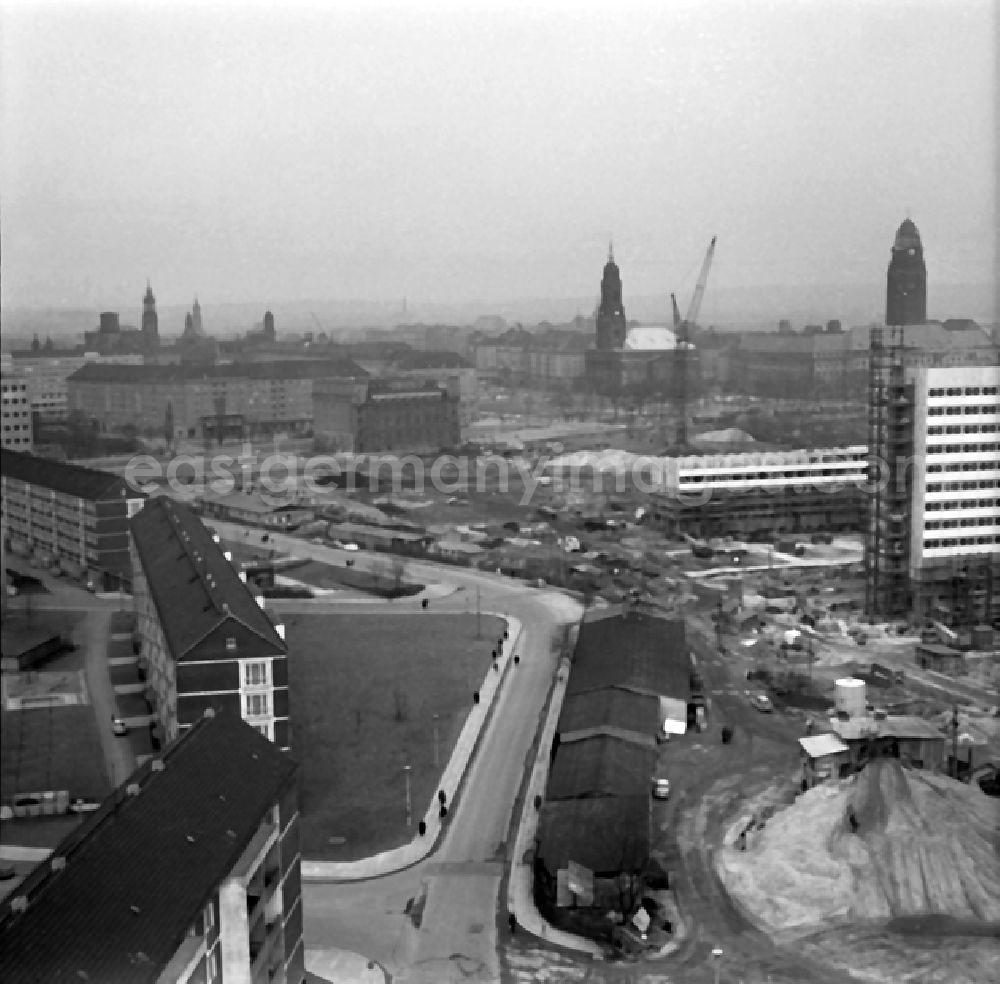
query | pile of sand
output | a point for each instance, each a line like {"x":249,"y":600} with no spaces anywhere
{"x":924,"y":844}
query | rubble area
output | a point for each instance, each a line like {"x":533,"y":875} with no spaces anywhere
{"x":923,"y":844}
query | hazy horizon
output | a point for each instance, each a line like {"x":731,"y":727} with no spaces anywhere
{"x":250,"y":153}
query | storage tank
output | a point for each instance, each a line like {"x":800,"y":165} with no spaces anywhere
{"x":850,"y":697}
{"x":982,"y":638}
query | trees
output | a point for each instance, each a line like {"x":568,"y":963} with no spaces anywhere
{"x":168,"y":426}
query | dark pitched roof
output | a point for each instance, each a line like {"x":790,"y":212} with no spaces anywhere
{"x":609,"y":708}
{"x":276,"y":369}
{"x":600,"y":766}
{"x":633,"y":651}
{"x":140,"y":869}
{"x":87,"y":483}
{"x":431,"y":360}
{"x":195,"y":589}
{"x":606,"y":835}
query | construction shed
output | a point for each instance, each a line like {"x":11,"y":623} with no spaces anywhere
{"x":823,"y":757}
{"x":943,"y":659}
{"x":916,"y":742}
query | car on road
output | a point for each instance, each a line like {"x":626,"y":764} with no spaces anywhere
{"x":318,"y":540}
{"x":762,"y":703}
{"x":119,"y":727}
{"x":661,"y":789}
{"x":350,"y":546}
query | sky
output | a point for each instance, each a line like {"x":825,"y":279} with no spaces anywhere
{"x":445,"y":152}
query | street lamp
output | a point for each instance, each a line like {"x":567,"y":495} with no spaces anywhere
{"x":409,"y":818}
{"x":436,"y":763}
{"x":717,"y":961}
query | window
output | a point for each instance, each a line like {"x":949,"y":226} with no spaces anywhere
{"x":256,"y":674}
{"x":257,"y":705}
{"x":231,"y":643}
{"x":212,"y":965}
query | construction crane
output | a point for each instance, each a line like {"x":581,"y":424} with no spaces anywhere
{"x":682,"y":330}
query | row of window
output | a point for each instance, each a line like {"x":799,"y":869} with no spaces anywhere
{"x":951,"y":524}
{"x":962,"y":504}
{"x":965,"y":466}
{"x":967,"y":429}
{"x":966,"y":391}
{"x":961,"y":541}
{"x":970,"y":411}
{"x":963,"y":448}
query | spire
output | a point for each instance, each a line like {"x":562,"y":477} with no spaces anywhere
{"x":611,"y":251}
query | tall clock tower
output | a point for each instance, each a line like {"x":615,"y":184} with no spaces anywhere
{"x":611,"y":324}
{"x":906,"y":289}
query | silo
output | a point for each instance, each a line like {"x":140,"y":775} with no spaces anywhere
{"x":850,"y":697}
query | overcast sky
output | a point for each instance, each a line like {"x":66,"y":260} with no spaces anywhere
{"x":429,"y":150}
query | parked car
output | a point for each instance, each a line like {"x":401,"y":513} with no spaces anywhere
{"x":661,"y":789}
{"x":762,"y":703}
{"x":119,"y":727}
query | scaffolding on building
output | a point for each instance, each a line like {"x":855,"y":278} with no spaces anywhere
{"x":890,"y":477}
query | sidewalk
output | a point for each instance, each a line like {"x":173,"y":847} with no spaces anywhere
{"x":420,"y":847}
{"x":520,"y":894}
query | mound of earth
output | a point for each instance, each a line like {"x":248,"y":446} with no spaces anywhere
{"x":920,"y":844}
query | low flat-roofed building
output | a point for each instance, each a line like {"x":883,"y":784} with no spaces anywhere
{"x":255,"y":509}
{"x":906,"y":737}
{"x":943,"y":659}
{"x":823,"y":757}
{"x":205,"y":640}
{"x":189,"y":871}
{"x":379,"y":537}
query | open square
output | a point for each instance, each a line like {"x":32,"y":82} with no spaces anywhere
{"x":365,"y":690}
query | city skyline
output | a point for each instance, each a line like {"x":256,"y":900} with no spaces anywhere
{"x":452,"y":156}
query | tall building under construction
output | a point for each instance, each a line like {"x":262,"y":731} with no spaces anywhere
{"x":933,"y":530}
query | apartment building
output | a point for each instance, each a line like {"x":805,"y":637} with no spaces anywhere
{"x":933,"y":549}
{"x":792,"y":492}
{"x":188,"y":872}
{"x":205,"y":640}
{"x":71,"y":519}
{"x":439,"y":367}
{"x":207,"y":402}
{"x":15,"y":411}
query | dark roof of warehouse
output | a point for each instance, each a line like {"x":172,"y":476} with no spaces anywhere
{"x":606,"y":835}
{"x":195,"y":589}
{"x":633,"y":651}
{"x":98,"y":372}
{"x":609,"y":708}
{"x":64,"y":477}
{"x":601,"y":766}
{"x":141,"y":868}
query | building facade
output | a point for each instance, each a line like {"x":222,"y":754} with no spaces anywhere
{"x":68,"y":518}
{"x":933,"y":546}
{"x":439,"y":367}
{"x":15,"y":411}
{"x":386,"y":414}
{"x":188,"y":873}
{"x":235,"y":401}
{"x":205,"y":640}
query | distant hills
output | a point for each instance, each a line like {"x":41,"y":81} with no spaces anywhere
{"x":734,"y":307}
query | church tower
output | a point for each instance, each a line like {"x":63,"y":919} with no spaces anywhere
{"x":150,"y":321}
{"x":906,"y":288}
{"x":196,"y":318}
{"x":611,"y":324}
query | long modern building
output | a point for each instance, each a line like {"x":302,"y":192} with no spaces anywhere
{"x":68,"y":518}
{"x":232,"y":401}
{"x":188,"y":872}
{"x":205,"y":640}
{"x":15,"y":411}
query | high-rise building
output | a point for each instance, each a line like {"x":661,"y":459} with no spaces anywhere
{"x":906,"y":287}
{"x":611,"y":324}
{"x":15,"y":411}
{"x":932,"y":548}
{"x":188,"y":873}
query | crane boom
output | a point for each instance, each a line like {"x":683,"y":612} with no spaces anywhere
{"x":677,"y":311}
{"x":699,"y":291}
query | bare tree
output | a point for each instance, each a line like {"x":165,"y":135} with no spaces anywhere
{"x":401,"y":707}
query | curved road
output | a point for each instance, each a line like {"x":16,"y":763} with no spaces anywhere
{"x":436,"y":922}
